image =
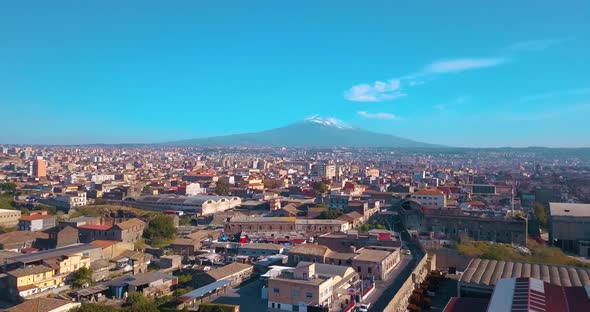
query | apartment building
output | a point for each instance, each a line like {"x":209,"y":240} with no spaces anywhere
{"x":32,"y":280}
{"x":430,"y":198}
{"x":310,"y":285}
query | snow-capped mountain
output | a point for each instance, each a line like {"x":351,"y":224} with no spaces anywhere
{"x":314,"y":131}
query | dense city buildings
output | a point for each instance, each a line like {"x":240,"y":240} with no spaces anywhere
{"x":307,"y":229}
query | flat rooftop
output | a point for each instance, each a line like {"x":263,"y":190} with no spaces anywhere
{"x":569,"y":210}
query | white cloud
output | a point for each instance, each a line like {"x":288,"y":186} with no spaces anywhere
{"x":392,"y":89}
{"x":458,"y":65}
{"x":386,"y":116}
{"x":379,"y":91}
{"x":536,"y":45}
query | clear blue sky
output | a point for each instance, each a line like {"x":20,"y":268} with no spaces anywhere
{"x":515,"y":73}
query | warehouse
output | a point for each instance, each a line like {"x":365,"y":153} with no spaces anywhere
{"x":482,"y":275}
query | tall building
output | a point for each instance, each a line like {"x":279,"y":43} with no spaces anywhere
{"x":326,"y":170}
{"x":39,"y":168}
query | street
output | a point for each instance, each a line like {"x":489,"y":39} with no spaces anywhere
{"x":405,"y":272}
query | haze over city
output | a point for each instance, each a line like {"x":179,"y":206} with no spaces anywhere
{"x":455,"y":74}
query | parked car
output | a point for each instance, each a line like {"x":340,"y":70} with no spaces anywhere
{"x":364,"y":307}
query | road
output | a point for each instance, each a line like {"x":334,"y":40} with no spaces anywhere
{"x":405,"y":272}
{"x":246,"y":296}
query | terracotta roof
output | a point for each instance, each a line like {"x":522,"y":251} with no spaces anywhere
{"x":21,"y":236}
{"x":310,"y":249}
{"x":103,"y":227}
{"x":429,"y":192}
{"x":36,"y":217}
{"x":103,"y":243}
{"x":131,"y":223}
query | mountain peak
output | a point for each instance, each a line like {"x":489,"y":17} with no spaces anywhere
{"x":328,"y":121}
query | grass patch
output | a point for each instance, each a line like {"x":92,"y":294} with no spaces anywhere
{"x":538,"y":253}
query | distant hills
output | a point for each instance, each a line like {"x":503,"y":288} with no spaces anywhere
{"x":312,"y":132}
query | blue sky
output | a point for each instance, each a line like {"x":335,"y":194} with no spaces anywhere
{"x":515,"y":73}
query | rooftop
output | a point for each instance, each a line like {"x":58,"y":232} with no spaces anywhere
{"x":569,"y":210}
{"x":488,"y":272}
{"x":41,"y":305}
{"x":31,"y":270}
{"x":52,"y":253}
{"x":103,"y":227}
{"x":227,"y":270}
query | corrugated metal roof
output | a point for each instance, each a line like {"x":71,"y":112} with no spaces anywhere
{"x":488,"y":272}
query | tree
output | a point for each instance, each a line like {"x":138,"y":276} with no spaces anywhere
{"x":82,"y":277}
{"x":160,"y":229}
{"x":8,"y":187}
{"x":222,"y":187}
{"x":330,"y":214}
{"x":321,"y":187}
{"x":93,"y":307}
{"x":185,"y":279}
{"x":136,"y":302}
{"x":24,"y":211}
{"x":541,"y":214}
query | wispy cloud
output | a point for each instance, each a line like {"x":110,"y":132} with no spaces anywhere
{"x":536,"y":45}
{"x":381,"y":115}
{"x":459,"y":65}
{"x":392,"y":89}
{"x":378,"y":91}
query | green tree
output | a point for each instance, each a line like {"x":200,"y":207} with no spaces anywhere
{"x":541,"y":214}
{"x":82,"y":277}
{"x":93,"y":307}
{"x":8,"y":187}
{"x":329,"y":214}
{"x":136,"y":302}
{"x":185,"y":279}
{"x":222,"y":187}
{"x":160,"y":229}
{"x":24,"y":211}
{"x":380,"y":227}
{"x":321,"y":187}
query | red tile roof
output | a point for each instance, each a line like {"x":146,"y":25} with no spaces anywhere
{"x":95,"y":227}
{"x":35,"y":217}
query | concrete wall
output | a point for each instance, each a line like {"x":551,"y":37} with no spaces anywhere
{"x":399,"y":303}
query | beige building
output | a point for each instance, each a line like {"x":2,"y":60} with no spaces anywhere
{"x":284,"y":225}
{"x":375,"y":262}
{"x":310,"y":285}
{"x":430,"y":198}
{"x":570,"y":227}
{"x":9,"y":217}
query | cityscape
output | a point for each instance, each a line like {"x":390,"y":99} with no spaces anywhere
{"x":225,"y":157}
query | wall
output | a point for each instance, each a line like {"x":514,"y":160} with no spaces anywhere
{"x":399,"y":302}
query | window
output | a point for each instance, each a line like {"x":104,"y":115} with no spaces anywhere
{"x":295,"y":308}
{"x":308,"y":295}
{"x":296,"y":293}
{"x":276,"y":290}
{"x":369,"y":270}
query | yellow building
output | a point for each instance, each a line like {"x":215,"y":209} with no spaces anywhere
{"x":66,"y":265}
{"x":32,"y":280}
